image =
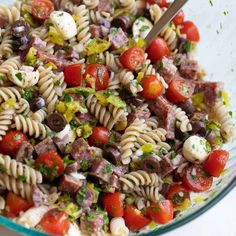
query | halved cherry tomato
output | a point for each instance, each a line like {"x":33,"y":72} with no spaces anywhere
{"x":161,"y":3}
{"x":132,"y":58}
{"x":158,"y":49}
{"x":73,"y":75}
{"x":196,"y":179}
{"x":16,"y":204}
{"x":41,"y":9}
{"x":179,"y":90}
{"x":177,"y":194}
{"x":216,"y":162}
{"x":11,"y":141}
{"x":99,"y":136}
{"x":113,"y":204}
{"x":179,"y":18}
{"x":99,"y":74}
{"x":134,"y":219}
{"x":161,"y":212}
{"x":50,"y":164}
{"x":55,"y":222}
{"x":191,"y":31}
{"x":152,"y":87}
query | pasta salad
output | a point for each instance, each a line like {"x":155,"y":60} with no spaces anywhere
{"x":98,"y":135}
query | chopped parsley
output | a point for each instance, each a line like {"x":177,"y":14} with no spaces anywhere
{"x":90,"y":216}
{"x":108,"y":169}
{"x":83,"y":93}
{"x":187,"y":46}
{"x":226,"y":13}
{"x":211,"y":3}
{"x":67,"y":98}
{"x":27,"y":95}
{"x":22,"y":177}
{"x":67,"y":160}
{"x":154,"y":208}
{"x":161,"y":65}
{"x":144,"y":28}
{"x":113,"y":30}
{"x":84,"y":164}
{"x":49,"y":172}
{"x":114,"y":5}
{"x":81,"y":194}
{"x":19,"y":76}
{"x":3,"y":168}
{"x":231,"y":113}
{"x":57,"y":83}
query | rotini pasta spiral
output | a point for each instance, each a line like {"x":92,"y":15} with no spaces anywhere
{"x":113,"y":62}
{"x":31,"y":127}
{"x":47,"y":87}
{"x":16,"y":186}
{"x":127,"y":79}
{"x":182,"y":120}
{"x":129,"y":5}
{"x":149,"y":192}
{"x":6,"y":119}
{"x":114,"y":83}
{"x":20,"y":171}
{"x":91,"y":4}
{"x":118,"y":227}
{"x":128,"y":139}
{"x":152,"y":123}
{"x":10,"y":14}
{"x":155,"y":12}
{"x":9,"y":65}
{"x":22,"y":107}
{"x":100,"y":112}
{"x":83,"y":36}
{"x":95,"y":16}
{"x":139,"y":178}
{"x":6,"y":50}
{"x":170,"y":37}
{"x":39,"y":115}
{"x":59,"y":83}
{"x":7,"y":93}
{"x":222,"y":115}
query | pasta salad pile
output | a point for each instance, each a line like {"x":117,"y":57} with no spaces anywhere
{"x":99,"y":136}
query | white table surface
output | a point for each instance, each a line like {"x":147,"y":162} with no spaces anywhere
{"x":218,"y":221}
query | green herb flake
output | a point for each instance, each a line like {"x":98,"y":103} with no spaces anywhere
{"x":187,"y":46}
{"x":67,"y":98}
{"x":226,"y":13}
{"x":144,"y":28}
{"x":211,"y":3}
{"x":67,"y":160}
{"x":3,"y":169}
{"x":27,"y":95}
{"x":154,"y":208}
{"x":108,"y":169}
{"x":114,"y":5}
{"x":22,"y":177}
{"x":113,"y":30}
{"x":84,"y":164}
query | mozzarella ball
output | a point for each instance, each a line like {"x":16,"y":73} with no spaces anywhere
{"x":64,"y":24}
{"x":196,"y":149}
{"x":141,"y":27}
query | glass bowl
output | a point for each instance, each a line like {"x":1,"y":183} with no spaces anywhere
{"x":217,"y":54}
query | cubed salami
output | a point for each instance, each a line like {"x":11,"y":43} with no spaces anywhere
{"x":45,"y":146}
{"x":117,"y":38}
{"x":69,"y":184}
{"x":25,"y":151}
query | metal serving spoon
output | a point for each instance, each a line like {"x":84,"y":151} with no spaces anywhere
{"x":171,"y":12}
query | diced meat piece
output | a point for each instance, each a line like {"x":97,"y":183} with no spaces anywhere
{"x":177,"y":160}
{"x":120,"y":170}
{"x":198,"y":127}
{"x":45,"y":146}
{"x":187,"y":106}
{"x":105,"y":5}
{"x":37,"y":196}
{"x":211,"y":91}
{"x":113,"y":154}
{"x":81,"y":150}
{"x":140,"y":113}
{"x":165,"y":115}
{"x":166,"y":167}
{"x":25,"y":151}
{"x":84,"y":197}
{"x":85,"y":117}
{"x":3,"y":22}
{"x":91,"y":222}
{"x":56,"y":4}
{"x":69,"y":54}
{"x":114,"y":181}
{"x":189,"y":69}
{"x":198,"y":116}
{"x":167,"y":70}
{"x":95,"y":30}
{"x":165,"y":188}
{"x":38,"y":43}
{"x":77,"y":1}
{"x":69,"y":184}
{"x":61,"y":143}
{"x":104,"y":22}
{"x":118,"y":38}
{"x":102,"y":169}
{"x":177,"y":144}
{"x":71,"y":168}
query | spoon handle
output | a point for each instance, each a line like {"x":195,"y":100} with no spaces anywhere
{"x":171,"y":12}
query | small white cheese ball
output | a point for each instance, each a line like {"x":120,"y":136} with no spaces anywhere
{"x":196,"y":149}
{"x":141,"y":27}
{"x":64,"y":24}
{"x":71,"y":136}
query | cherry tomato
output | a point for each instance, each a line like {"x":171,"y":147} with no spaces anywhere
{"x":16,"y":204}
{"x":196,"y":179}
{"x":50,"y":164}
{"x":179,"y":18}
{"x":191,"y":31}
{"x":134,"y":219}
{"x":73,"y":75}
{"x":113,"y":204}
{"x":99,"y":136}
{"x":216,"y":162}
{"x":12,"y":141}
{"x":157,"y":50}
{"x":132,"y":58}
{"x":179,"y":90}
{"x":152,"y":87}
{"x":161,"y":212}
{"x":41,"y":9}
{"x":177,"y":194}
{"x":162,"y":3}
{"x":98,"y":72}
{"x":55,"y":222}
